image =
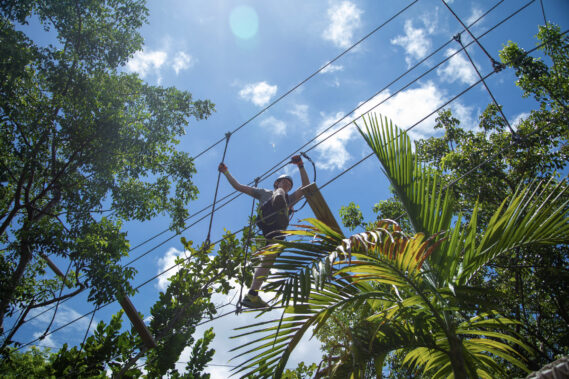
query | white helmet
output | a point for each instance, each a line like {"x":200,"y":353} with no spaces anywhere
{"x":287,"y":177}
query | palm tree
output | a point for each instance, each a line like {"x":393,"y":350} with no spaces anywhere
{"x":419,"y":288}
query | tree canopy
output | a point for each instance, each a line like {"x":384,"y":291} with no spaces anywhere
{"x":84,"y":147}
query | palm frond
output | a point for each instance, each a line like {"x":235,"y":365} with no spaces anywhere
{"x":428,"y":207}
{"x":536,"y":214}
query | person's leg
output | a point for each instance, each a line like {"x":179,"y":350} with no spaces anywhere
{"x":263,"y":271}
{"x":252,"y":298}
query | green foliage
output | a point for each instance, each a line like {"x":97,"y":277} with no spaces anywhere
{"x":77,"y":135}
{"x":200,"y":357}
{"x":420,"y":289}
{"x":29,"y":364}
{"x":393,"y":209}
{"x":351,"y":216}
{"x":107,"y":346}
{"x":413,"y":184}
{"x":302,"y":371}
{"x":531,"y":283}
{"x":184,"y":304}
{"x":188,"y":299}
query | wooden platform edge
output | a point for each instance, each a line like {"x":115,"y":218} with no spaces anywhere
{"x":320,"y":207}
{"x":136,"y":321}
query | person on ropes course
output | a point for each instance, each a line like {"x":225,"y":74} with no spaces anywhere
{"x":273,"y":218}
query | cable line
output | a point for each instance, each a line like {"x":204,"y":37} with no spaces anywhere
{"x":543,"y":11}
{"x":496,"y":65}
{"x":310,"y":76}
{"x":335,"y":178}
{"x":207,"y":239}
{"x":401,"y":76}
{"x":326,"y":184}
{"x":289,"y":92}
{"x":322,"y":187}
{"x":279,"y":165}
{"x":494,"y":62}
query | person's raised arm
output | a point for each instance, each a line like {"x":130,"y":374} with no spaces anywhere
{"x":234,"y":183}
{"x":297,"y":195}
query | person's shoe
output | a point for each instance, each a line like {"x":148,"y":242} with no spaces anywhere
{"x":253,"y":301}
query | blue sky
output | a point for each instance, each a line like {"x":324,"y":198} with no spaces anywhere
{"x":243,"y":55}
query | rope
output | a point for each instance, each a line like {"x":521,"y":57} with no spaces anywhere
{"x":239,"y":306}
{"x":207,"y":240}
{"x":406,"y":86}
{"x":333,"y":60}
{"x":330,"y":181}
{"x":293,"y":211}
{"x":278,"y":166}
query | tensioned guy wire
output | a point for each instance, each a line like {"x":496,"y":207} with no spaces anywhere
{"x":278,"y":167}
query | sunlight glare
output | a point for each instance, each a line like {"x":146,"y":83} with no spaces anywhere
{"x":244,"y":22}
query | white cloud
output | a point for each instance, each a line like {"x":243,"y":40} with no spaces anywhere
{"x":344,"y":20}
{"x":431,"y":20}
{"x":519,"y":118}
{"x":65,"y":314}
{"x":409,"y":107}
{"x":300,"y":111}
{"x":333,"y":153}
{"x":74,"y":324}
{"x":182,"y":61}
{"x":167,"y":261}
{"x":259,"y":93}
{"x":149,"y":62}
{"x":332,"y":68}
{"x":476,"y":14}
{"x":415,"y":42}
{"x":464,"y":114}
{"x":274,"y":126}
{"x":144,"y":62}
{"x":405,"y":109}
{"x":457,"y":68}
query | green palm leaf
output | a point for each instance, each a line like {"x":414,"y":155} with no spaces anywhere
{"x":536,"y":214}
{"x":428,"y":207}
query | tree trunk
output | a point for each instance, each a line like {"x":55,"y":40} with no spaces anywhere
{"x":378,"y":363}
{"x":8,"y":292}
{"x":457,"y":358}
